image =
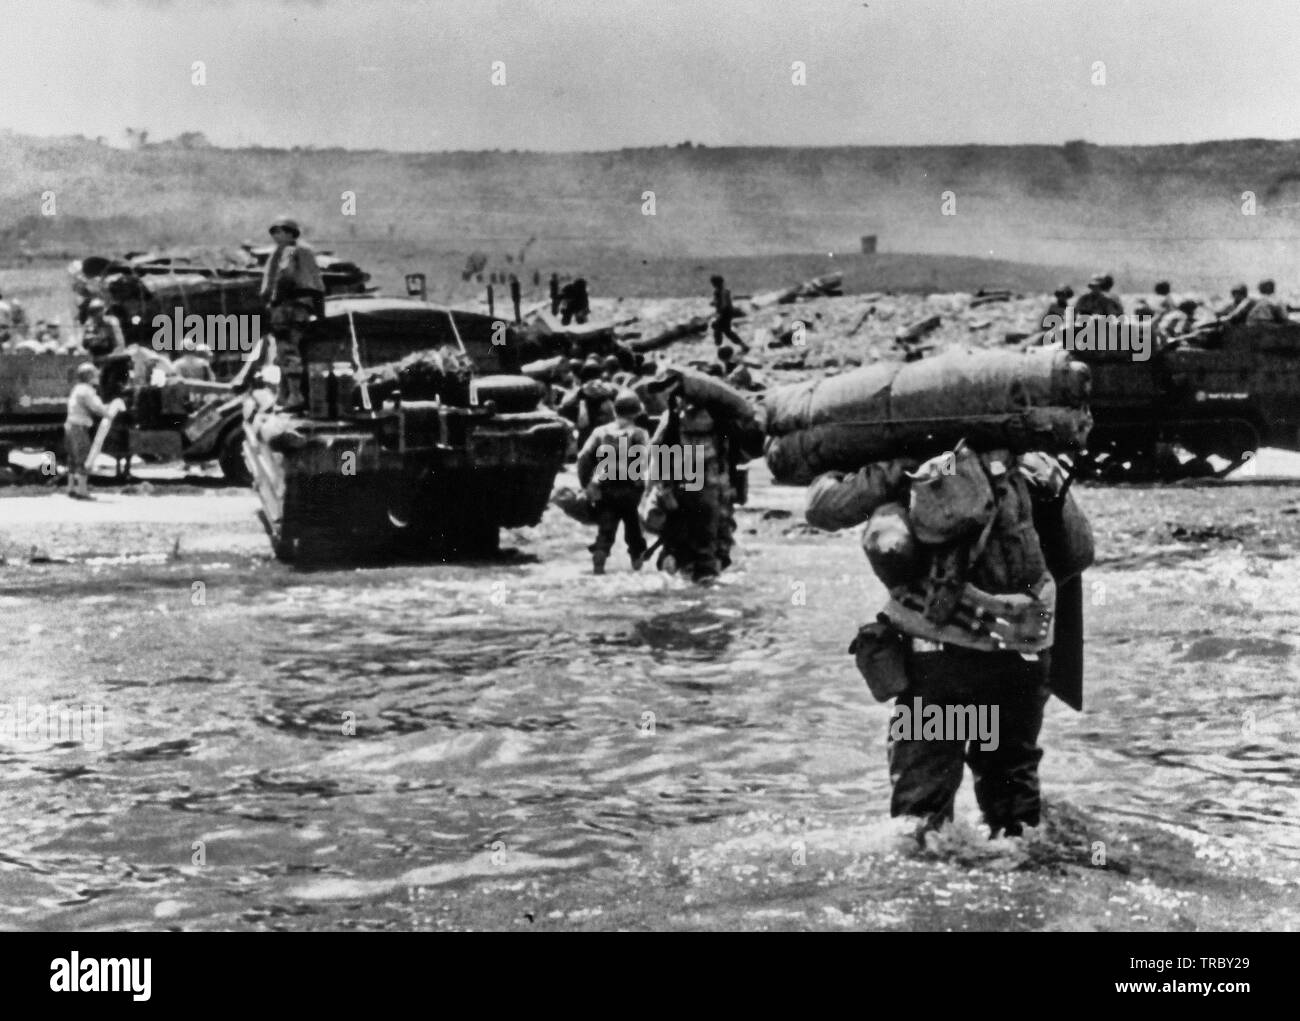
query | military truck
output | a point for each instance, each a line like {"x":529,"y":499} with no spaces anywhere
{"x":370,"y":471}
{"x":140,"y":286}
{"x":169,"y":419}
{"x":1199,"y":407}
{"x":34,"y":388}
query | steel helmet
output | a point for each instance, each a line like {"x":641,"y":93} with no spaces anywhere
{"x":286,"y":223}
{"x":627,"y":404}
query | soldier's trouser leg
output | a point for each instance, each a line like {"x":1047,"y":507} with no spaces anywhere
{"x":702,"y":512}
{"x":607,"y":515}
{"x":672,"y":540}
{"x":734,"y":337}
{"x":629,"y":515}
{"x":289,"y":358}
{"x":726,"y":524}
{"x":926,"y":774}
{"x":286,"y":328}
{"x":1006,"y":777}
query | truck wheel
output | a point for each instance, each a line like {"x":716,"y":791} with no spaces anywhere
{"x":231,"y":459}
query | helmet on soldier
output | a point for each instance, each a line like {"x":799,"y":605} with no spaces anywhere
{"x":285,"y":223}
{"x":627,"y":404}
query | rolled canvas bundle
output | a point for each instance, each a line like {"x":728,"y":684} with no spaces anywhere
{"x":1034,"y":400}
{"x":721,"y":399}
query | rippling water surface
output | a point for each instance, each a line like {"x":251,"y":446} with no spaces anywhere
{"x":533,"y":745}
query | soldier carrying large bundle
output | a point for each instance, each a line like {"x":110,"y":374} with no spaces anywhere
{"x":976,"y":615}
{"x":980,"y":550}
{"x":710,"y":426}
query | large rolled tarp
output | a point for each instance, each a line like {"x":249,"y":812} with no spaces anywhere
{"x":1031,"y":400}
{"x":721,"y":399}
{"x":203,"y":294}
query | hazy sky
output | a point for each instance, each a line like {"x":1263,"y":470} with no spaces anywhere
{"x":596,"y":74}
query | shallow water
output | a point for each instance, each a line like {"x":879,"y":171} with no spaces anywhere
{"x":534,"y":745}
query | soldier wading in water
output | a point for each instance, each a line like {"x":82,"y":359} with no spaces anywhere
{"x":696,"y":521}
{"x":614,"y":499}
{"x":982,"y":556}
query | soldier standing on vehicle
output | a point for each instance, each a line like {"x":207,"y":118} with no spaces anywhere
{"x":101,"y":335}
{"x":1097,"y":302}
{"x":1117,"y":306}
{"x":724,"y":315}
{"x":1060,"y":302}
{"x":1266,"y":309}
{"x":614,"y":500}
{"x":1239,"y":307}
{"x":294,"y":292}
{"x":555,"y":294}
{"x":1179,"y":322}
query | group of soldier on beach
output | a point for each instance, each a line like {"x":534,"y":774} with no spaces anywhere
{"x":606,"y":399}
